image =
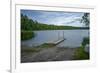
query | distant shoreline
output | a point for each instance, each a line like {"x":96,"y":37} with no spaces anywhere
{"x":57,"y":29}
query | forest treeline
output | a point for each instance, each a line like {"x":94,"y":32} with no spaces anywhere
{"x":29,"y":24}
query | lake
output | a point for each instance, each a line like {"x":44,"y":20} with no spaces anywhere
{"x":73,"y":37}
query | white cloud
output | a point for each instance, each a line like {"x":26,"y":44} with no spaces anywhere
{"x":56,"y":18}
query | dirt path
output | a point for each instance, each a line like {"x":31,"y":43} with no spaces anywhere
{"x":48,"y":54}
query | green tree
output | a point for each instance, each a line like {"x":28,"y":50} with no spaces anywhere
{"x":86,"y":19}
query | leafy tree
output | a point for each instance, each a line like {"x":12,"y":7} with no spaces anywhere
{"x":86,"y":19}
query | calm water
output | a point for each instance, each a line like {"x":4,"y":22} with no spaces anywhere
{"x":73,"y":37}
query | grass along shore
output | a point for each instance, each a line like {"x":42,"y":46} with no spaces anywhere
{"x":26,"y":35}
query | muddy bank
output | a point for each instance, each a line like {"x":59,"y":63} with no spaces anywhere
{"x":42,"y":54}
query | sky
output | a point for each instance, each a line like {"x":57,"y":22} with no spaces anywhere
{"x":55,"y":17}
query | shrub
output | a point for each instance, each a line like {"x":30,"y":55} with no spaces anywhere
{"x":85,"y":41}
{"x":80,"y":54}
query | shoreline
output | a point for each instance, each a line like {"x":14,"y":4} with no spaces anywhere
{"x":50,"y":52}
{"x":47,"y":54}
